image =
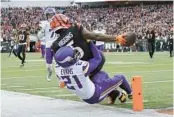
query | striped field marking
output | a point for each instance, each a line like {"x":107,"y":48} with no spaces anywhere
{"x":23,"y":77}
{"x":161,"y":81}
{"x":35,"y":65}
{"x":65,"y":95}
{"x":155,"y":71}
{"x":23,"y":70}
{"x":40,"y":88}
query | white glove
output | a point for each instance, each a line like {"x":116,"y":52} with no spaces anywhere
{"x":28,"y":49}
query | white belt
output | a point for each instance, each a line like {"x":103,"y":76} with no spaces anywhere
{"x":22,"y":43}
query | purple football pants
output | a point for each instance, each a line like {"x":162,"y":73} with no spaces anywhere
{"x":104,"y":85}
{"x":100,"y":47}
{"x":49,"y":56}
{"x":43,"y":50}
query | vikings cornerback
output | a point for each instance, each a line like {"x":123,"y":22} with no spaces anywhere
{"x":74,"y":73}
{"x":41,"y":36}
{"x":50,"y":36}
{"x":74,"y":34}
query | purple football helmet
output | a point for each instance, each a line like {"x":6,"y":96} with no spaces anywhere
{"x":49,"y":12}
{"x":67,"y":56}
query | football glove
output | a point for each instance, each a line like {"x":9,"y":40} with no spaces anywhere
{"x":62,"y":84}
{"x":121,"y":39}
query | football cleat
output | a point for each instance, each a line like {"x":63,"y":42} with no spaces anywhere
{"x":112,"y":96}
{"x":22,"y":65}
{"x":122,"y":98}
{"x":49,"y":76}
{"x":130,"y":96}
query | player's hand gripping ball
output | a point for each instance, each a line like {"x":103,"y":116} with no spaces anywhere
{"x":127,"y":39}
{"x":130,"y":38}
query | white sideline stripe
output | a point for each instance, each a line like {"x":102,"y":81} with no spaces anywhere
{"x":34,"y":60}
{"x":23,"y":77}
{"x":35,"y":89}
{"x":143,"y":71}
{"x":130,"y":102}
{"x":18,"y":66}
{"x":162,"y":81}
{"x":147,"y":64}
{"x":109,"y":72}
{"x":23,"y":70}
{"x":65,"y":95}
{"x":15,"y":86}
{"x":39,"y":88}
{"x":3,"y":84}
{"x":53,"y":91}
{"x":121,"y":62}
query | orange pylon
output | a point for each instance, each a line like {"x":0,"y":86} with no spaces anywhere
{"x":137,"y":93}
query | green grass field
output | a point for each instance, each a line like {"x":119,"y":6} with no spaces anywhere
{"x":157,"y":77}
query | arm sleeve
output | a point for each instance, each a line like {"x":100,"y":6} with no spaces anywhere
{"x":93,"y":63}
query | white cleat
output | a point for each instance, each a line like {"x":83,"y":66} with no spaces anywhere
{"x":49,"y":76}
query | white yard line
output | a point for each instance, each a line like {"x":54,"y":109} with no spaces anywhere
{"x":137,"y":65}
{"x":65,"y":95}
{"x":122,"y":62}
{"x":52,"y":91}
{"x":23,"y":70}
{"x":154,"y":71}
{"x":22,"y":77}
{"x":15,"y":86}
{"x":29,"y":89}
{"x":160,"y":81}
{"x":28,"y":65}
{"x":3,"y":84}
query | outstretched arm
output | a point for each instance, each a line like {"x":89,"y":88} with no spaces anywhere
{"x":103,"y":37}
{"x":93,"y":63}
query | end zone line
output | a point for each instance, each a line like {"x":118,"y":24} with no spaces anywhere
{"x":37,"y":88}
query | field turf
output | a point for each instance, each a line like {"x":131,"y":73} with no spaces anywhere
{"x":157,"y":74}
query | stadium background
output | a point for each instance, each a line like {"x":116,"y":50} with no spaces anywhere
{"x":114,"y":17}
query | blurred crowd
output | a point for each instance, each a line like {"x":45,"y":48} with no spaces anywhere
{"x":115,"y":20}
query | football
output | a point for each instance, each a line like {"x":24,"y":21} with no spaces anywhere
{"x":130,"y":38}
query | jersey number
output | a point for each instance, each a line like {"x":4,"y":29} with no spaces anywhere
{"x":21,"y":37}
{"x":67,"y":81}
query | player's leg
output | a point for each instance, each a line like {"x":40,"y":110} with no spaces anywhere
{"x":42,"y":51}
{"x":11,"y":50}
{"x":14,"y":52}
{"x":100,"y":66}
{"x":23,"y":53}
{"x":113,"y":83}
{"x":101,"y":47}
{"x":153,"y":49}
{"x":150,"y":49}
{"x":49,"y":59}
{"x":99,"y":78}
{"x":19,"y":52}
{"x":171,"y":50}
{"x":106,"y":86}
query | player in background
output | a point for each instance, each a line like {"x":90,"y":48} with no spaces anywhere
{"x":41,"y":37}
{"x":23,"y":43}
{"x":13,"y":47}
{"x":170,"y":44}
{"x":74,"y":74}
{"x":150,"y":34}
{"x":50,"y":36}
{"x":100,"y":44}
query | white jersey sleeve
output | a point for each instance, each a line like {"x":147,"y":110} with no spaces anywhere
{"x":50,"y":35}
{"x":75,"y":79}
